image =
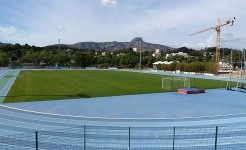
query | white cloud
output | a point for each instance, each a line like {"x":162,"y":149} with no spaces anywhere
{"x":185,"y":20}
{"x":211,"y":41}
{"x":109,"y":3}
{"x":60,"y":28}
{"x":186,"y":44}
{"x":229,"y":37}
{"x":156,"y":21}
{"x":10,"y":32}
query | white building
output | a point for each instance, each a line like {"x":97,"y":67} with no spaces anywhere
{"x":135,"y":49}
{"x":185,"y":55}
{"x":225,"y":66}
{"x":103,"y":53}
{"x":155,"y":64}
{"x":157,"y":53}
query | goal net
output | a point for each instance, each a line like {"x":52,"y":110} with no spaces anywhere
{"x":174,"y":83}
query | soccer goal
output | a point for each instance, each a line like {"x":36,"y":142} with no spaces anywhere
{"x":174,"y":83}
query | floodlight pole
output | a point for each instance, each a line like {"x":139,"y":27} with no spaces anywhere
{"x":241,"y":72}
{"x":244,"y":60}
{"x":230,"y":73}
{"x":243,"y":68}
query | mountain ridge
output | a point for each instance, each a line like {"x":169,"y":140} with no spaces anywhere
{"x":114,"y":45}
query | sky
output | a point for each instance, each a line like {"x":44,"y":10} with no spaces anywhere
{"x":167,"y":22}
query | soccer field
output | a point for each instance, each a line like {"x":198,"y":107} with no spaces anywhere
{"x":67,"y":84}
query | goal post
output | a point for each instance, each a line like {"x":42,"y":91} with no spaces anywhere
{"x":175,"y":83}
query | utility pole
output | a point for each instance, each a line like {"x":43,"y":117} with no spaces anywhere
{"x":59,"y":44}
{"x":140,"y":52}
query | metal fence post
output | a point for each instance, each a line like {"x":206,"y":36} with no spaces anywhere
{"x":36,"y":135}
{"x":216,"y":138}
{"x":129,"y":138}
{"x":174,"y":137}
{"x":84,"y":137}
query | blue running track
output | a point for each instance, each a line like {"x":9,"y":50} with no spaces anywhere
{"x":213,"y":120}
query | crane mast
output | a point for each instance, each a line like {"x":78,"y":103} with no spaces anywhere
{"x":217,"y":51}
{"x":217,"y":29}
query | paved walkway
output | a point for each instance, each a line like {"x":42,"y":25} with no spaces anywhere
{"x":7,"y":79}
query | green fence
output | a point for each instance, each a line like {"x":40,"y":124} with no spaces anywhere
{"x":130,"y":138}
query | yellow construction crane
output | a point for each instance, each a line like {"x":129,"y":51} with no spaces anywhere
{"x":217,"y":29}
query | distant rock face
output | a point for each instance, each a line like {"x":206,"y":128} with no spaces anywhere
{"x":113,"y":46}
{"x":136,"y":43}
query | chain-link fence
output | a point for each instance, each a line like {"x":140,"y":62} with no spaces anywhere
{"x":129,"y":138}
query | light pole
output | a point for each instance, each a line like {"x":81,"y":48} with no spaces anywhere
{"x":231,"y":68}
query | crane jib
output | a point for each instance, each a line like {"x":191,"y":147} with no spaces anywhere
{"x":229,"y":22}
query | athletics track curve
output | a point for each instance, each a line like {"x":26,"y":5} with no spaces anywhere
{"x":21,"y":121}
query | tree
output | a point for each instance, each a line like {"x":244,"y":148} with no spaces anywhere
{"x":180,"y":66}
{"x":61,"y":59}
{"x":80,"y":59}
{"x":211,"y":67}
{"x":3,"y":59}
{"x":28,"y":58}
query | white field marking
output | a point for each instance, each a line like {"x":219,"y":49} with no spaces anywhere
{"x":130,"y":119}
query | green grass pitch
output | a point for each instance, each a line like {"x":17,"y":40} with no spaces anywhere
{"x":39,"y":85}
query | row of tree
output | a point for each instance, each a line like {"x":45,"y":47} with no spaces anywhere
{"x":199,"y":67}
{"x":18,"y":56}
{"x":26,"y":55}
